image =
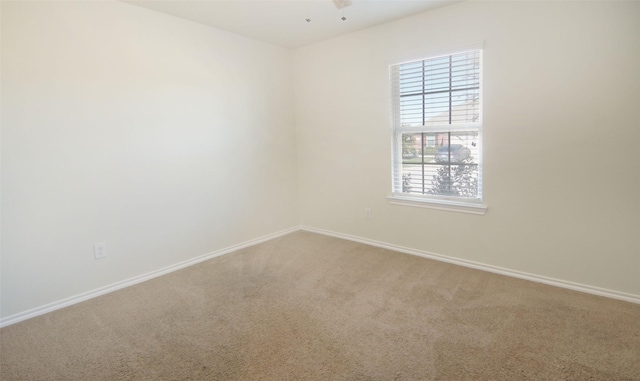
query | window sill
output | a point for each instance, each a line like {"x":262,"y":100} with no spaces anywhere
{"x":451,"y":206}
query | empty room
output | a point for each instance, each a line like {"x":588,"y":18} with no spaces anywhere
{"x":320,"y":190}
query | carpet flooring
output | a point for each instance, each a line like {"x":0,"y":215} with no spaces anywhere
{"x":310,"y":307}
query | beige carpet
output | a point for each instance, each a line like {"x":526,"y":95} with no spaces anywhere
{"x":311,"y":307}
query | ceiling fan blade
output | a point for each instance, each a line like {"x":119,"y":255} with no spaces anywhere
{"x":341,"y":3}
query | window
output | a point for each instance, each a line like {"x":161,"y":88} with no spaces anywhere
{"x":437,"y":129}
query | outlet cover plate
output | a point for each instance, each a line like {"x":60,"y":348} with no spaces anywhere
{"x":100,"y":250}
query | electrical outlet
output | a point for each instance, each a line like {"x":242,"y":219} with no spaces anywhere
{"x":367,"y":213}
{"x":100,"y":250}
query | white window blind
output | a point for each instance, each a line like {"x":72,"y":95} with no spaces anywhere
{"x":437,"y":128}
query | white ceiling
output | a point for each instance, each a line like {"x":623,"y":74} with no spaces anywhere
{"x":282,"y":22}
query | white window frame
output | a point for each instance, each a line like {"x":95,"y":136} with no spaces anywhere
{"x":447,"y":203}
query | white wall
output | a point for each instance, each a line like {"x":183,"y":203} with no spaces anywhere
{"x":169,"y":140}
{"x":561,"y":138}
{"x":164,"y":138}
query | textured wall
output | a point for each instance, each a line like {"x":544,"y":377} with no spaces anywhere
{"x":161,"y":137}
{"x":561,"y":133}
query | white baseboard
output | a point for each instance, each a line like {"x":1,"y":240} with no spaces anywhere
{"x":480,"y":266}
{"x":442,"y":258}
{"x":135,"y":280}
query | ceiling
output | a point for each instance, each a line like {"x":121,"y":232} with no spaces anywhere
{"x":282,"y":22}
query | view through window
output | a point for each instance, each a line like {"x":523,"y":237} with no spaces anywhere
{"x":437,"y":128}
